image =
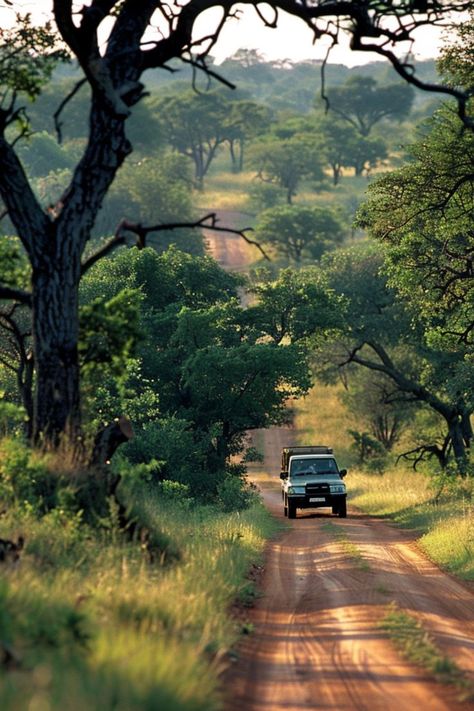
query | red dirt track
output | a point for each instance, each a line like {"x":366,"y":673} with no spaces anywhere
{"x":316,"y":642}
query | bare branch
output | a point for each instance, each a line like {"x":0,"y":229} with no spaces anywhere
{"x":202,"y":66}
{"x":418,"y":454}
{"x":208,"y":222}
{"x":7,"y":292}
{"x":117,"y":240}
{"x":57,"y":124}
{"x":268,"y":23}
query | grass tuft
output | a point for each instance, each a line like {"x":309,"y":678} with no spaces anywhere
{"x":349,"y":548}
{"x":416,"y":645}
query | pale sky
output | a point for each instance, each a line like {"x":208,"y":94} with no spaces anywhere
{"x":290,"y":40}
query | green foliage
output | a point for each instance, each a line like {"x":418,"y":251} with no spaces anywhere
{"x":100,"y":620}
{"x":182,"y":455}
{"x":110,"y":331}
{"x":423,"y":213}
{"x":343,"y":146}
{"x":263,"y":196}
{"x":456,"y":62}
{"x":299,"y":232}
{"x":11,"y":415}
{"x":375,"y":403}
{"x":25,"y":479}
{"x":41,"y":154}
{"x":296,"y":306}
{"x":153,"y":191}
{"x":22,"y":69}
{"x":286,"y":162}
{"x":14,"y":267}
{"x":362,"y":103}
{"x":233,"y":494}
{"x":245,"y":120}
{"x":384,"y":333}
{"x":205,"y":358}
{"x":194,"y":124}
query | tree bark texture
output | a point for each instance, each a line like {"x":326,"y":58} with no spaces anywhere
{"x":55,"y":342}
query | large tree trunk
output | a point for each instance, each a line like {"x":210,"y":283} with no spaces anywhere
{"x":55,"y":337}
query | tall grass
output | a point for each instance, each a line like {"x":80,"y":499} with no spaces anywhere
{"x":86,"y":622}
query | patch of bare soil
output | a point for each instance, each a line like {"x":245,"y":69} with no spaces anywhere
{"x":317,"y":644}
{"x":229,"y":250}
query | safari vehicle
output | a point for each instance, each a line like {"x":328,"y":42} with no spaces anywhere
{"x":311,"y":479}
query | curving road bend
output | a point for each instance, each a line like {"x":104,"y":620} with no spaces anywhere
{"x":316,"y":642}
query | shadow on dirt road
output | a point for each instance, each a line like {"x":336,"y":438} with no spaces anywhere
{"x":327,"y":584}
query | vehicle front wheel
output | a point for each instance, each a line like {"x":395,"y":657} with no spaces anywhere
{"x":342,"y":509}
{"x":291,"y":510}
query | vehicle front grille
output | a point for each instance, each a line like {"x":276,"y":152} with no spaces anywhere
{"x":312,"y":489}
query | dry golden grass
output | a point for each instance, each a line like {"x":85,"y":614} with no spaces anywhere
{"x":321,"y":418}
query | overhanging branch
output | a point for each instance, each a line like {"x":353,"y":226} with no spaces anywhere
{"x":208,"y":222}
{"x":117,"y":240}
{"x":12,"y":294}
{"x":57,"y":123}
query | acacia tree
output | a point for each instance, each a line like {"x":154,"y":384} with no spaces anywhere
{"x":344,"y":147}
{"x":287,"y":162}
{"x":299,"y":231}
{"x":195,"y":125}
{"x":363,"y":104}
{"x":55,"y":237}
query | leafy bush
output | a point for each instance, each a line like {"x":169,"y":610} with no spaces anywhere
{"x":25,"y":477}
{"x":235,"y":494}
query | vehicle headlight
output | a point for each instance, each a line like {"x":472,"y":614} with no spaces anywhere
{"x":338,"y":489}
{"x":296,"y":490}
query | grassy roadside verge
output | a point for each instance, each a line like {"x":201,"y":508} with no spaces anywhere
{"x":416,"y":645}
{"x":86,"y":622}
{"x":445,"y":523}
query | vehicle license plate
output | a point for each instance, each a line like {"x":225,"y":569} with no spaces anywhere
{"x":315,"y":499}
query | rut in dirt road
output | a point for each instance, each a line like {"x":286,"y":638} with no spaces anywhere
{"x":317,"y":644}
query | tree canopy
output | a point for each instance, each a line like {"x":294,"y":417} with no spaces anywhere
{"x":363,"y":104}
{"x":56,"y":236}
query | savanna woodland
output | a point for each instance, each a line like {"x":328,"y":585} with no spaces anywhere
{"x":134,"y":367}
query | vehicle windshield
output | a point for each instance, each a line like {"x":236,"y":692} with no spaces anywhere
{"x":306,"y":467}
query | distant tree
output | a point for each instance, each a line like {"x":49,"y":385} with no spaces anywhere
{"x":159,"y":185}
{"x":41,"y":154}
{"x":343,"y":147}
{"x":246,"y":120}
{"x":287,"y":162}
{"x":362,"y":103}
{"x":196,"y":126}
{"x":299,"y":232}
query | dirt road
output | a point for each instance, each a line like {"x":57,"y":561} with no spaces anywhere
{"x":317,"y":644}
{"x":327,"y":583}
